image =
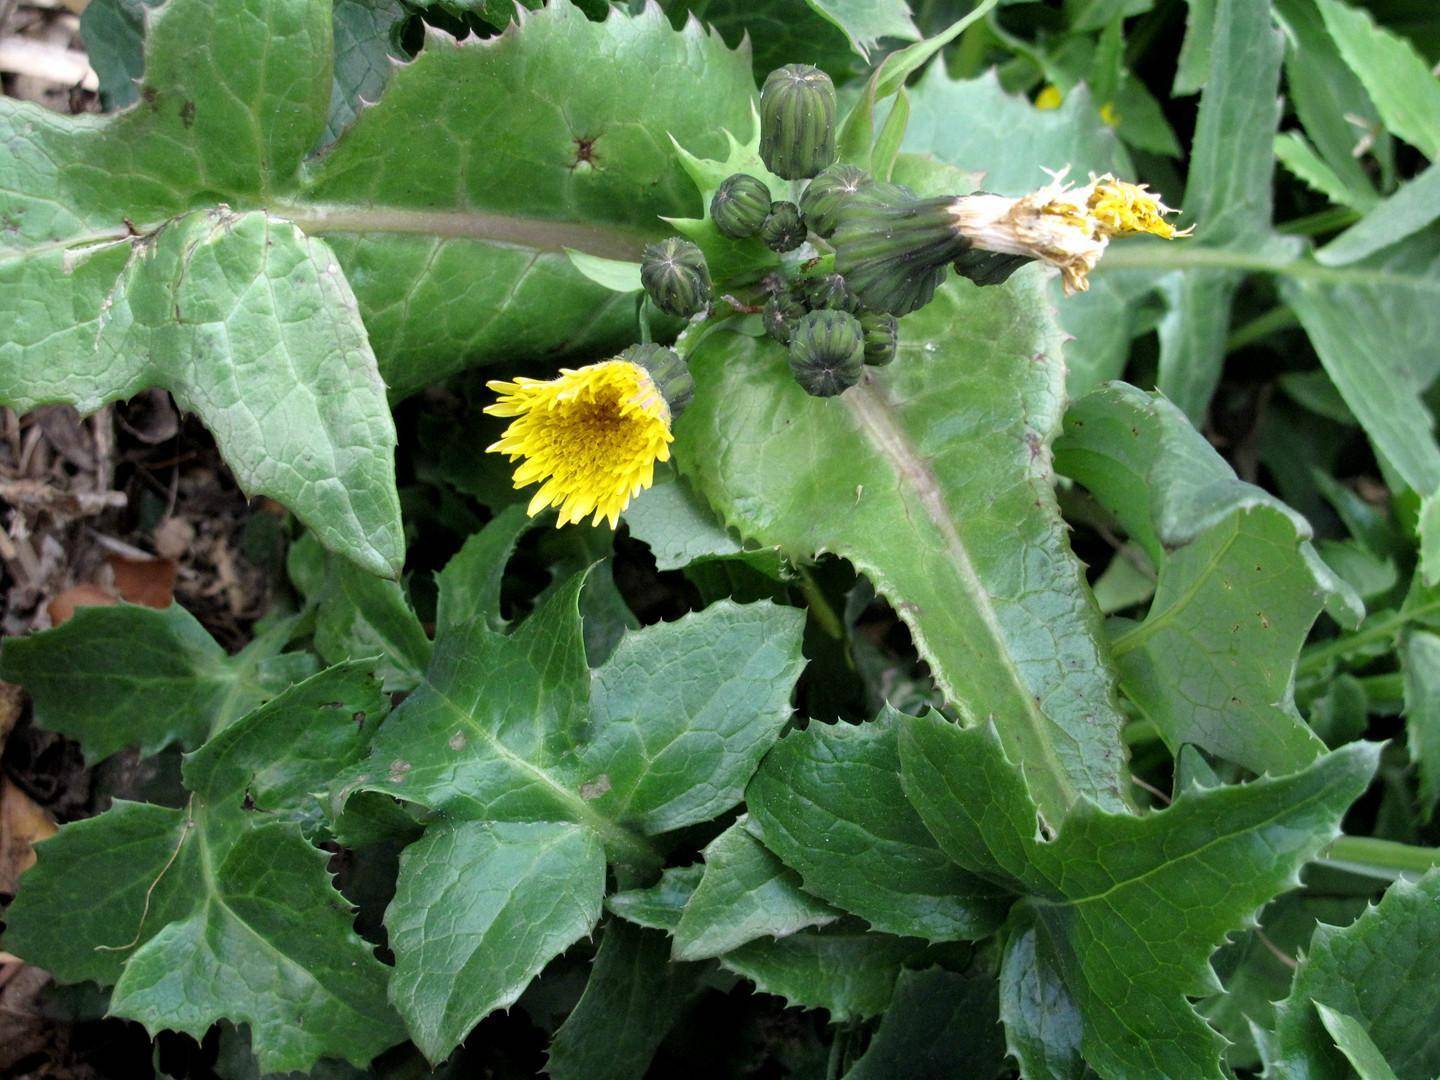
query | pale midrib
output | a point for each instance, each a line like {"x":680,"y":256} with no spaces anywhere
{"x":584,"y":813}
{"x":876,"y":419}
{"x":321,"y":219}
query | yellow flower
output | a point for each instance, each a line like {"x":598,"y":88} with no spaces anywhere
{"x":1066,"y":226}
{"x":593,"y":436}
{"x":1049,"y":98}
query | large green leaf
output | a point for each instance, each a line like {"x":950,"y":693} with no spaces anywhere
{"x":932,"y":476}
{"x":1399,"y":80}
{"x":1239,"y":588}
{"x":827,"y":800}
{"x":1128,"y":909}
{"x":479,"y":909}
{"x":178,"y":908}
{"x":1377,"y":971}
{"x":126,"y":675}
{"x":633,"y":996}
{"x":1420,"y":664}
{"x":865,"y":22}
{"x":455,"y":244}
{"x":939,"y":1025}
{"x":534,"y":760}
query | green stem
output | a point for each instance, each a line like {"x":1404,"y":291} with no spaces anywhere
{"x":1383,"y":689}
{"x":1388,"y":857}
{"x":820,"y":606}
{"x":1141,"y":732}
{"x":1261,"y":327}
{"x":1314,"y":659}
{"x":970,"y":53}
{"x":1163,"y":255}
{"x":1329,"y":220}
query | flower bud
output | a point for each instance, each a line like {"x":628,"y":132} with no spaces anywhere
{"x":784,"y":229}
{"x":675,"y":277}
{"x":797,"y":121}
{"x":829,"y":291}
{"x":782,"y":312}
{"x":893,"y":248}
{"x":881,"y":335}
{"x":827,"y":193}
{"x":827,"y":352}
{"x":740,"y":206}
{"x":668,"y":371}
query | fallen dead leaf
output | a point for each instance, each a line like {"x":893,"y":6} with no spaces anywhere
{"x":23,"y":821}
{"x":86,"y":594}
{"x":150,"y":582}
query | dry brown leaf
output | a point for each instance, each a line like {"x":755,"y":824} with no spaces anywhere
{"x":23,"y":821}
{"x":144,"y":581}
{"x":86,"y":594}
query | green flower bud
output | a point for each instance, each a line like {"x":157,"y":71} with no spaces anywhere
{"x":893,"y":248}
{"x":989,"y":267}
{"x":827,"y":352}
{"x":797,"y":121}
{"x":829,"y":291}
{"x":781,"y":314}
{"x":881,"y":335}
{"x":740,"y":206}
{"x":827,"y":193}
{"x":784,"y":229}
{"x":675,"y":277}
{"x":669,"y":372}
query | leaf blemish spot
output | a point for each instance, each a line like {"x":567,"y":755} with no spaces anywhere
{"x":457,"y":741}
{"x":593,"y":789}
{"x":398,"y":769}
{"x":584,"y":152}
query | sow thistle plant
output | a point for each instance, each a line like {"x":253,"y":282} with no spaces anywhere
{"x":876,"y":251}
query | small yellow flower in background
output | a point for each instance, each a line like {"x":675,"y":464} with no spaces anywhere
{"x":1067,"y":226}
{"x":592,"y":436}
{"x":1049,"y":98}
{"x":1109,"y":115}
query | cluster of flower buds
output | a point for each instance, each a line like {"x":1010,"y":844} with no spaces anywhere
{"x":858,"y":252}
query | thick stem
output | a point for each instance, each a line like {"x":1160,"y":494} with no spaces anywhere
{"x":1381,"y":858}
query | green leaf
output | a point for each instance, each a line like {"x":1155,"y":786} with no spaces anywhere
{"x":840,"y":968}
{"x":680,"y":530}
{"x":1130,"y":907}
{"x":1239,"y":588}
{"x":745,"y":893}
{"x":514,"y":729}
{"x":1043,"y":1023}
{"x":1368,"y":321}
{"x":865,"y":22}
{"x":827,"y":800}
{"x":479,"y":909}
{"x":289,"y":749}
{"x":360,"y":615}
{"x":160,"y":677}
{"x":661,"y":906}
{"x":939,"y":1025}
{"x":469,"y":586}
{"x":1329,"y":100}
{"x":1403,"y":214}
{"x":950,"y":513}
{"x":365,"y":55}
{"x":250,"y":325}
{"x":779,"y":31}
{"x":1194,"y":63}
{"x":617,"y":275}
{"x":1420,"y":663}
{"x":1377,"y":972}
{"x":1300,"y":158}
{"x":1399,"y":80}
{"x":457,"y":245}
{"x":1354,"y":1042}
{"x":114,"y":33}
{"x":1005,"y":137}
{"x":633,"y":997}
{"x":223,"y":894}
{"x":1228,"y":196}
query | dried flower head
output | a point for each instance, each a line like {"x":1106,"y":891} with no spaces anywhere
{"x":1067,"y":226}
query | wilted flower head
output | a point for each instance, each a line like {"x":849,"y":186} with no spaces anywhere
{"x":1067,"y":226}
{"x":592,"y":436}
